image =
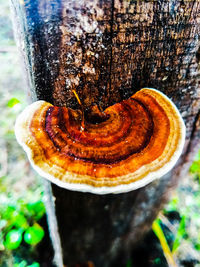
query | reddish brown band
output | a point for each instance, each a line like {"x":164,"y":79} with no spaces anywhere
{"x":133,"y":127}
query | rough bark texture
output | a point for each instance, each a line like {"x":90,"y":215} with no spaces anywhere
{"x":107,"y":50}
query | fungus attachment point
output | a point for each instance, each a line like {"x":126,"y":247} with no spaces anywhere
{"x":136,"y":141}
{"x":96,"y":115}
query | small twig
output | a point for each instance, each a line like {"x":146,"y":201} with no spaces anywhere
{"x":167,"y":223}
{"x":166,"y":250}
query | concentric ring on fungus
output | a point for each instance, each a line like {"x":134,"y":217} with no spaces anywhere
{"x":141,"y":140}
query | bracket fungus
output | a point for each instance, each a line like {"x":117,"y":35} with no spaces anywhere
{"x":140,"y":140}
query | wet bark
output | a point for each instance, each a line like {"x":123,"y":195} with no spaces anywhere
{"x":107,"y":50}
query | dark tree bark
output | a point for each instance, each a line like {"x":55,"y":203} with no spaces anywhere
{"x":107,"y":50}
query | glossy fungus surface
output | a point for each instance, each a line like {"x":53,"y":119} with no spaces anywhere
{"x":140,"y":140}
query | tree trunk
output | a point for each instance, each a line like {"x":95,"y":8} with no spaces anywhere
{"x":107,"y":50}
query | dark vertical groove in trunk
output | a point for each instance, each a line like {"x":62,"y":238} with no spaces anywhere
{"x":111,"y":50}
{"x":39,"y":42}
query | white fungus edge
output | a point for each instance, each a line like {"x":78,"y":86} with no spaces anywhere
{"x":151,"y":176}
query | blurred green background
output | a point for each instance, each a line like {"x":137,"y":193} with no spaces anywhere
{"x":21,"y":194}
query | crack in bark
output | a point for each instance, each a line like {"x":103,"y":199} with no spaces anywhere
{"x":111,"y":50}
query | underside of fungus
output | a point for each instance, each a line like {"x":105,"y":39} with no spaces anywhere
{"x":140,"y":140}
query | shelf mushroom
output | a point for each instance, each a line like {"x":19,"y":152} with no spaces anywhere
{"x":140,"y":140}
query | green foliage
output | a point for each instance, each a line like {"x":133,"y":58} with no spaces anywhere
{"x":25,"y":264}
{"x":157,"y":261}
{"x":181,"y":233}
{"x":181,"y":216}
{"x":12,"y":102}
{"x":36,"y":209}
{"x":13,"y":239}
{"x":156,"y":227}
{"x":129,"y":263}
{"x":18,"y":222}
{"x":195,"y":167}
{"x":35,"y":264}
{"x":34,"y":234}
